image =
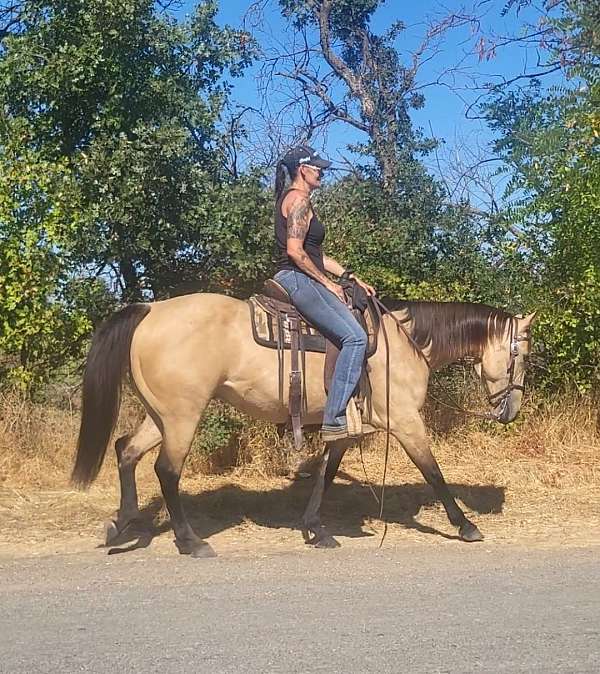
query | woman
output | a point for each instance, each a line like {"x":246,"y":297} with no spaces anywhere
{"x":302,"y":271}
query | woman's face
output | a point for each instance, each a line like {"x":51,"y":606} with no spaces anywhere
{"x":312,"y":175}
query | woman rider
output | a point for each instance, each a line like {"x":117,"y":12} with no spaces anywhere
{"x":302,"y":268}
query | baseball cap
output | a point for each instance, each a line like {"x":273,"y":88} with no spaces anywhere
{"x":304,"y":154}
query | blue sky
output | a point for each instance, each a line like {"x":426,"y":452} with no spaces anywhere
{"x":445,"y":104}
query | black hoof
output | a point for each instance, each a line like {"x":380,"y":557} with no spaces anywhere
{"x":115,"y":527}
{"x":327,"y":542}
{"x":319,"y":537}
{"x":470,"y":533}
{"x":203,"y":551}
{"x":197,"y":549}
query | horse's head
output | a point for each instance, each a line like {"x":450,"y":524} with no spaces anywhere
{"x":502,"y":368}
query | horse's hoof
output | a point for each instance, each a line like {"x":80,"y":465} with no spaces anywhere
{"x":470,"y":533}
{"x":203,"y":551}
{"x":197,"y":549}
{"x":293,"y":476}
{"x":326,"y":542}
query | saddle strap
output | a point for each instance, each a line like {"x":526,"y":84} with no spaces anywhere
{"x":280,"y":356}
{"x":295,"y":395}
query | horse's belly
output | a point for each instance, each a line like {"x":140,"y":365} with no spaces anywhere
{"x":254,"y":387}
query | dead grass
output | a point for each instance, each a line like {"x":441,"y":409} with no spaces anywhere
{"x":537,"y":480}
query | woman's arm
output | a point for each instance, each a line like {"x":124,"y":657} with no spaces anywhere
{"x":298,"y":222}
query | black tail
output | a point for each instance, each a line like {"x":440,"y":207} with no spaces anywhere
{"x":107,"y":363}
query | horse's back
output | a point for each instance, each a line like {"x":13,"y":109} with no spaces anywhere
{"x":184,"y":307}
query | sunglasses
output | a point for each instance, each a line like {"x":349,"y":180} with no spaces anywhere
{"x":320,"y":171}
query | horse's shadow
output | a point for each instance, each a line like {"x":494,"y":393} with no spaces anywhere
{"x":347,"y":508}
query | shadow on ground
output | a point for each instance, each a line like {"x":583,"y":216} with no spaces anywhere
{"x":346,"y":509}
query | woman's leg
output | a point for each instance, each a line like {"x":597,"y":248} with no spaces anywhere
{"x":333,"y":318}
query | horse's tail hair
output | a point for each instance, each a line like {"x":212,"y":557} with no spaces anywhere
{"x":107,"y":362}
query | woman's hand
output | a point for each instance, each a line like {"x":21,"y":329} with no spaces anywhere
{"x":365,"y":286}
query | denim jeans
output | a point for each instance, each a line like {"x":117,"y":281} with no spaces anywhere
{"x":335,"y":321}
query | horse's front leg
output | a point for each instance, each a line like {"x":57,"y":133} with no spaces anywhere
{"x":410,"y":432}
{"x":313,"y":531}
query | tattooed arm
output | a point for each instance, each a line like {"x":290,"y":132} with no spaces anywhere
{"x":299,"y":214}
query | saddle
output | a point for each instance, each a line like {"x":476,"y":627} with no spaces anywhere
{"x":277,"y":324}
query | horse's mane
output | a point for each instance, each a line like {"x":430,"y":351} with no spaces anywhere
{"x":452,"y":329}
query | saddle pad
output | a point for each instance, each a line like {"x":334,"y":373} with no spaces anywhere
{"x":265,"y":330}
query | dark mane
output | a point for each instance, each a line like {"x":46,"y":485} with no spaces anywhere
{"x":452,"y":329}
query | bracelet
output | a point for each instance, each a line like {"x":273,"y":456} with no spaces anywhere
{"x":345,"y":275}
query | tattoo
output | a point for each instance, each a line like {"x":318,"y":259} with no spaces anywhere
{"x":297,"y":220}
{"x":308,"y":266}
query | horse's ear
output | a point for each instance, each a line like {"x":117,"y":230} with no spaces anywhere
{"x":526,"y":321}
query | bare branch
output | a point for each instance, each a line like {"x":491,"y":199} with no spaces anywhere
{"x":312,"y":85}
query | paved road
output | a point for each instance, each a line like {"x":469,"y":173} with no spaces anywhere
{"x":443,"y":608}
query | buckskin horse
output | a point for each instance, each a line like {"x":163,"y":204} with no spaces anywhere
{"x":183,"y":352}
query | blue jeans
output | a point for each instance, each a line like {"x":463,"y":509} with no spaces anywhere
{"x":336,"y":322}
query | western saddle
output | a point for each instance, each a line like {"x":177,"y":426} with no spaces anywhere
{"x":277,"y":324}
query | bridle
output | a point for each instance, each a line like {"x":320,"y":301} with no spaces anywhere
{"x":501,"y":397}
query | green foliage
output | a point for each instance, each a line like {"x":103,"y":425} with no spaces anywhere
{"x":221,"y":426}
{"x":552,"y":142}
{"x":409,"y":243}
{"x":111,"y":169}
{"x":41,"y":321}
{"x":132,"y":100}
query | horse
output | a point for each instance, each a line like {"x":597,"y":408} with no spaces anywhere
{"x":182,"y":352}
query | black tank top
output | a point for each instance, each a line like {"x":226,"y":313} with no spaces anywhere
{"x":312,"y":241}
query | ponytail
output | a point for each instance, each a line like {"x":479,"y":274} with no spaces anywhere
{"x":280,"y":175}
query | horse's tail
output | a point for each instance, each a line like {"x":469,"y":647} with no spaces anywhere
{"x":107,"y":363}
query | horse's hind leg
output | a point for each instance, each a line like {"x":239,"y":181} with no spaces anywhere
{"x":177,"y":439}
{"x":130,"y":449}
{"x":313,"y":531}
{"x":413,"y":437}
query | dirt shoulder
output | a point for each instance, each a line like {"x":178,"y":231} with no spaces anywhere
{"x":244,"y":513}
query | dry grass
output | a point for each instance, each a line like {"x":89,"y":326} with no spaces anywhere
{"x":538,"y":479}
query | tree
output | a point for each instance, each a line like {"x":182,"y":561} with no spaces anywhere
{"x":44,"y":316}
{"x":111,"y":173}
{"x":344,"y":72}
{"x":131,"y":99}
{"x":550,"y":141}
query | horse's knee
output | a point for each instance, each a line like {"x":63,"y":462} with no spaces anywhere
{"x":167,"y":475}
